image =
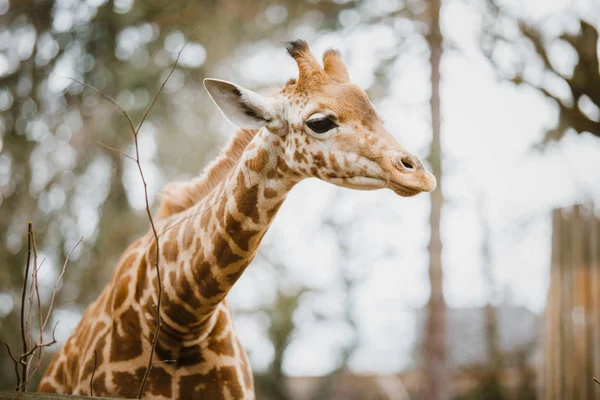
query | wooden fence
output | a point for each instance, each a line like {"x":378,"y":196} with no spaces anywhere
{"x":571,"y":332}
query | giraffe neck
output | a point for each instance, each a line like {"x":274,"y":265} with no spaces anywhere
{"x":205,"y":254}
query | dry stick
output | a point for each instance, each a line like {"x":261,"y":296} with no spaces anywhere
{"x":93,"y":372}
{"x":26,"y":356}
{"x":115,"y":150}
{"x":137,"y":157}
{"x":36,"y":286}
{"x":32,"y":292}
{"x":16,"y":363}
{"x":181,"y":220}
{"x":62,"y":272}
{"x":164,"y":362}
{"x":39,"y":347}
{"x":24,"y":292}
{"x":135,"y":133}
{"x":36,"y":346}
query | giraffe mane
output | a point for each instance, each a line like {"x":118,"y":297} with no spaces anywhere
{"x":179,"y":196}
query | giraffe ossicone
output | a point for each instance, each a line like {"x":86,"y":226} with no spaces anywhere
{"x":319,"y":125}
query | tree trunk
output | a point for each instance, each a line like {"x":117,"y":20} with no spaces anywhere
{"x":437,"y":384}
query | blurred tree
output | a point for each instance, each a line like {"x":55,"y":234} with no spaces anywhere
{"x":491,"y":385}
{"x":437,"y":385}
{"x":281,"y":328}
{"x":579,"y":107}
{"x":273,"y":385}
{"x":424,"y":17}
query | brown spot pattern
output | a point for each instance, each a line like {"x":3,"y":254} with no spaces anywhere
{"x":46,"y":387}
{"x":300,"y":157}
{"x":99,"y":385}
{"x":128,"y":383}
{"x":186,"y":293}
{"x":211,"y":385}
{"x":207,"y":284}
{"x":169,"y":250}
{"x":247,"y":200}
{"x":122,"y":291}
{"x":179,"y":313}
{"x":140,"y":283}
{"x":259,"y":162}
{"x":223,"y":252}
{"x":188,"y":358}
{"x":239,"y":235}
{"x":269,"y":193}
{"x":319,"y":160}
{"x":128,"y":345}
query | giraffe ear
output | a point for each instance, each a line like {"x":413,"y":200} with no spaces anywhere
{"x":242,"y":107}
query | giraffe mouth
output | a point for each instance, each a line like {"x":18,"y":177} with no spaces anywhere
{"x":372,"y":183}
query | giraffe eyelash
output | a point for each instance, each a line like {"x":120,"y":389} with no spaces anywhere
{"x":320,"y":123}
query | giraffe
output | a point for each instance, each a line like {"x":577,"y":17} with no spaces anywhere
{"x":318,"y":125}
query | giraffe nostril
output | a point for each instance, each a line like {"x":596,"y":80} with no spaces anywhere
{"x":408,"y":162}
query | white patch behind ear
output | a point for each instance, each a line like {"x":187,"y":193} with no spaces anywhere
{"x":242,"y":107}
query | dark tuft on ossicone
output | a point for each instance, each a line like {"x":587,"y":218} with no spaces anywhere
{"x":296,"y":47}
{"x":236,"y":91}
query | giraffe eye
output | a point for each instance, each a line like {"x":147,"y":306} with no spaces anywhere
{"x":321,"y":124}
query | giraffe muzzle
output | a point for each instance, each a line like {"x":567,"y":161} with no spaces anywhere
{"x":410,"y":176}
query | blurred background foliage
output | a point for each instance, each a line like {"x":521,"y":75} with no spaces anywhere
{"x":55,"y":172}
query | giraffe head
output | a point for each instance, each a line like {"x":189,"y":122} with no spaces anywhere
{"x":327,"y":126}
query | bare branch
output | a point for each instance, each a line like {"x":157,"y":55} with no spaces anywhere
{"x":23,"y":294}
{"x":16,"y":363}
{"x":158,"y":276}
{"x":35,"y":351}
{"x":538,"y":43}
{"x":62,"y":272}
{"x":135,"y":133}
{"x":115,"y":150}
{"x":105,"y":97}
{"x":164,"y":82}
{"x":34,"y":280}
{"x":37,"y":346}
{"x":181,"y":220}
{"x":163,"y":362}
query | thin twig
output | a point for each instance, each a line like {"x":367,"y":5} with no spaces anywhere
{"x":107,"y":98}
{"x":36,"y":346}
{"x":158,"y":276}
{"x":135,"y":133}
{"x":93,"y":372}
{"x":34,"y":279}
{"x":16,"y":363}
{"x":23,"y":294}
{"x":62,"y":272}
{"x":181,"y":220}
{"x":39,"y":347}
{"x":163,"y":362}
{"x":115,"y":150}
